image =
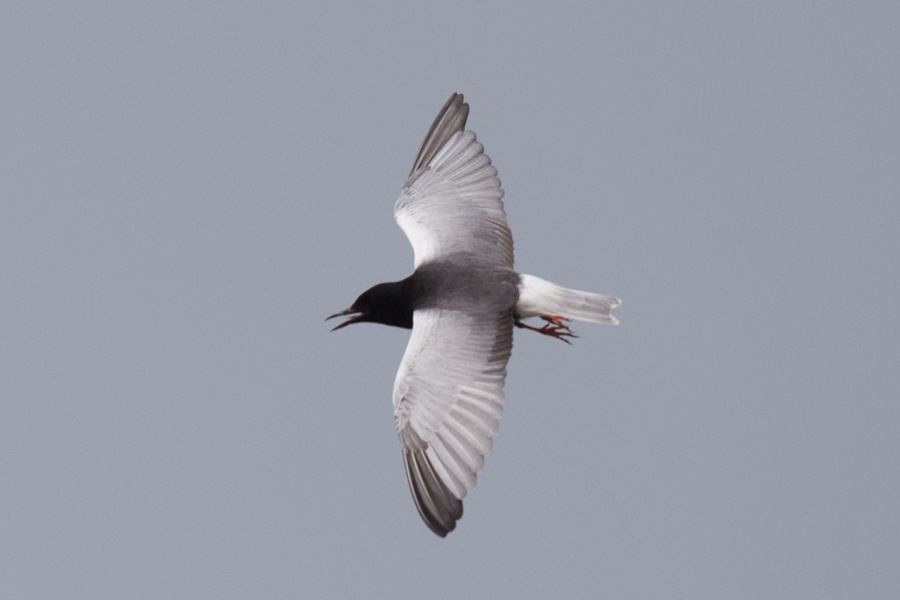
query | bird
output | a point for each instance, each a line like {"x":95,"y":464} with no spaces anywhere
{"x":462,"y":303}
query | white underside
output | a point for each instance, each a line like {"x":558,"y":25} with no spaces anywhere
{"x":541,"y":298}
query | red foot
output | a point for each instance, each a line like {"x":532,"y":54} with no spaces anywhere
{"x":555,"y":327}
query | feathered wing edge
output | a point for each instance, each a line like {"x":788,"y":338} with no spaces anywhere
{"x":436,"y":504}
{"x":452,"y":200}
{"x":450,"y":120}
{"x":441,"y":471}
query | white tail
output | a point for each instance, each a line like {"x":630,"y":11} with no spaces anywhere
{"x":541,"y":298}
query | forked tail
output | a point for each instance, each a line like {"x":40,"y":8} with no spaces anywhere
{"x":541,"y":298}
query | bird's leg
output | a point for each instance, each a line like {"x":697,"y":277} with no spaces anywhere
{"x":555,"y":327}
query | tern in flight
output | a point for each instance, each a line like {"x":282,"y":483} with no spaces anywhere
{"x":461,"y":303}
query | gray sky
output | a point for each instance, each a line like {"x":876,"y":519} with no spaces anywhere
{"x":188,"y":189}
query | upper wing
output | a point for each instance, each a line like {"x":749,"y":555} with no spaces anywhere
{"x":452,"y":200}
{"x":448,"y":396}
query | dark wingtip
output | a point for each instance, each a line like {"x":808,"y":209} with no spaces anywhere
{"x":450,"y":120}
{"x":436,"y":504}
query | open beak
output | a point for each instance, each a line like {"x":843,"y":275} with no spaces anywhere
{"x":357,"y":316}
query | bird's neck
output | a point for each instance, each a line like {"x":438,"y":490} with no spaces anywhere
{"x":395,"y":306}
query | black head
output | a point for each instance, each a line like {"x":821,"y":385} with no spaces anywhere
{"x":387,"y":303}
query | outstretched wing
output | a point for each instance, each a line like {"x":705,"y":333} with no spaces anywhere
{"x":448,"y":396}
{"x":452,"y":200}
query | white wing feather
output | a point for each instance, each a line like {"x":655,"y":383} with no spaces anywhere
{"x":448,"y":397}
{"x":454,"y":204}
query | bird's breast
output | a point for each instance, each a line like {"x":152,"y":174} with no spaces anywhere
{"x":467,"y":287}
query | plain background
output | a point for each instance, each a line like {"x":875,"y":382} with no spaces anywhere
{"x":189,"y":188}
